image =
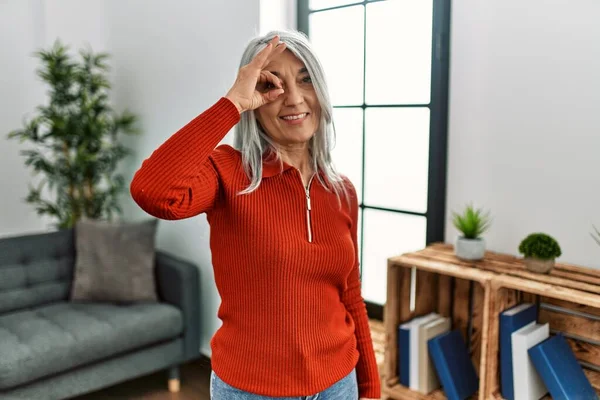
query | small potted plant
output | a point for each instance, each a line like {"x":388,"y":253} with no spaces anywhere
{"x":540,"y":251}
{"x":472,"y":223}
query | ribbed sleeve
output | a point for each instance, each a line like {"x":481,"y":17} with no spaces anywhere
{"x":366,"y":370}
{"x":294,"y":320}
{"x":179,"y":180}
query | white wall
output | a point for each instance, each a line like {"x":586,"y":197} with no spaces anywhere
{"x":18,"y":93}
{"x":524,"y":126}
{"x":170,"y":61}
{"x":277,"y":14}
{"x":27,"y":26}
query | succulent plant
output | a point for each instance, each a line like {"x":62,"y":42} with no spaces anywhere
{"x":540,"y":245}
{"x":472,"y":222}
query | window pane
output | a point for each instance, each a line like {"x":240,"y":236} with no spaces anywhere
{"x":387,"y":234}
{"x":320,"y":4}
{"x":396,"y":158}
{"x":347,"y":153}
{"x":338,"y":39}
{"x":399,"y":36}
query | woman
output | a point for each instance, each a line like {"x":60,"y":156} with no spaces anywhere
{"x":283,"y":230}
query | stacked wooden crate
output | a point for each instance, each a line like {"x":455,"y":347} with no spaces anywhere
{"x":473,"y":294}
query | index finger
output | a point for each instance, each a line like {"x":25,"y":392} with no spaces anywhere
{"x":261,"y":59}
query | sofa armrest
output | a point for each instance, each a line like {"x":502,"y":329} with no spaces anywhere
{"x":178,"y":284}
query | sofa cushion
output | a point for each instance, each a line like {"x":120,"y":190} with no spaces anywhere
{"x":114,"y":261}
{"x":35,"y":269}
{"x":55,"y":337}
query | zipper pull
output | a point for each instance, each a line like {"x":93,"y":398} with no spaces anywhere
{"x":308,"y":200}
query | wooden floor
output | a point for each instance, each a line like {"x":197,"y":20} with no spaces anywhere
{"x":195,"y":379}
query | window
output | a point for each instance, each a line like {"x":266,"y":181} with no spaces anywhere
{"x":386,"y":63}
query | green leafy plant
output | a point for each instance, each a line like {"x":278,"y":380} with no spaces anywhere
{"x":540,"y":245}
{"x":472,"y":223}
{"x":74,"y":139}
{"x":596,"y":235}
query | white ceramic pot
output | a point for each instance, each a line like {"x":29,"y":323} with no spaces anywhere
{"x":470,"y":249}
{"x":538,"y":265}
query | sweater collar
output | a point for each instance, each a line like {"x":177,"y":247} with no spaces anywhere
{"x":272,"y":167}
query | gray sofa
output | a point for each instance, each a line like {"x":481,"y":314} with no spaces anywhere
{"x":51,"y":348}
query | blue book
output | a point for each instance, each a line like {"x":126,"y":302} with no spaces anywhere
{"x":512,"y":320}
{"x":453,"y":365}
{"x":404,"y":356}
{"x":406,"y":341}
{"x":559,"y":369}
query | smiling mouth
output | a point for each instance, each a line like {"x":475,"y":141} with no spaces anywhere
{"x":294,"y":117}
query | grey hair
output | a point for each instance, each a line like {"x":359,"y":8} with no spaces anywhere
{"x":253,"y":142}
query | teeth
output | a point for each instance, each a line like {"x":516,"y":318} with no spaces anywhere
{"x":291,"y":117}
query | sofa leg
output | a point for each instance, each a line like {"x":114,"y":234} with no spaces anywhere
{"x":174,"y":383}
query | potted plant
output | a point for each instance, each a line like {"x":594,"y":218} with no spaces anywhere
{"x":74,"y":139}
{"x":472,"y":223}
{"x":540,"y":251}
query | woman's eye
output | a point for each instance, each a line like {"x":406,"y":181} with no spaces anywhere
{"x":265,"y":86}
{"x":307,"y":79}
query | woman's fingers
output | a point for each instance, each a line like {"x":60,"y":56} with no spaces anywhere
{"x":268,"y":77}
{"x":269,"y":87}
{"x":273,"y":48}
{"x":271,"y":95}
{"x":254,"y":86}
{"x":260,"y":59}
{"x":277,"y":50}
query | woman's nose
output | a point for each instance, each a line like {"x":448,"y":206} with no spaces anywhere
{"x":293,"y":96}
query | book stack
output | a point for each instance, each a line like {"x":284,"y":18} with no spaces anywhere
{"x":431,"y":356}
{"x":532,"y":363}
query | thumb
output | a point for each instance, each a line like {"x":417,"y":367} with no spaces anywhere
{"x":272,"y":94}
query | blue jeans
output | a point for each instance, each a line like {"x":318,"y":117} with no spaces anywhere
{"x":344,"y":389}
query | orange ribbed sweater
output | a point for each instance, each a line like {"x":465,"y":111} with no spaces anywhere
{"x":294,"y":319}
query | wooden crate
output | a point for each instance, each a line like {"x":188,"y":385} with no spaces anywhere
{"x":575,"y":313}
{"x":474,"y":294}
{"x":451,"y":290}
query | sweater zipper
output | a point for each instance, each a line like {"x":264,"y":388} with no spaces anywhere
{"x":308,"y":209}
